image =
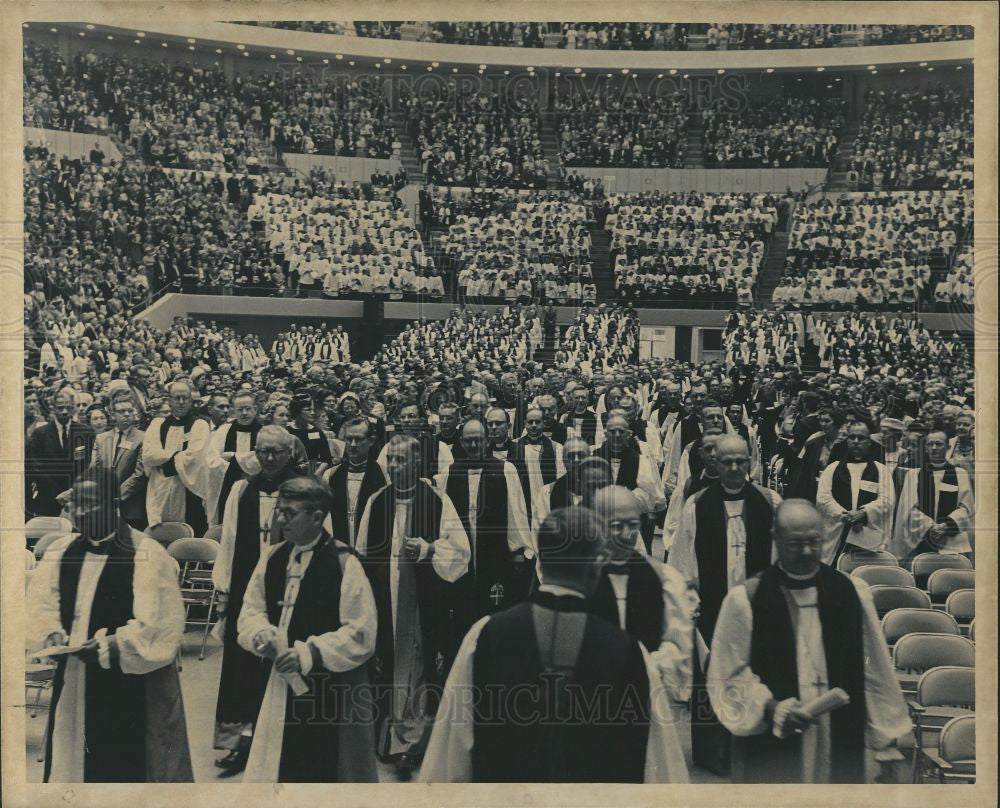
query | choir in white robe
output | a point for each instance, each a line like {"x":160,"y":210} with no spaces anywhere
{"x":449,"y":753}
{"x":345,"y":649}
{"x":739,"y":697}
{"x":165,"y":495}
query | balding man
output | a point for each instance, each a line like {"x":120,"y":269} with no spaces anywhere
{"x":248,"y":530}
{"x":787,"y":636}
{"x":857,"y":499}
{"x":488,"y":498}
{"x":173,"y":455}
{"x":413,"y":545}
{"x":724,"y":537}
{"x":633,"y":470}
{"x":649,"y":600}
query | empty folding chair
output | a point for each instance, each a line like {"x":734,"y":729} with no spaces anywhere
{"x":942,"y":583}
{"x":942,"y":694}
{"x":917,"y":652}
{"x":195,"y":558}
{"x":38,"y":526}
{"x":955,"y":757}
{"x":167,"y":532}
{"x":880,"y":574}
{"x":924,"y":564}
{"x":888,"y":598}
{"x":961,"y":604}
{"x":857,"y":558}
{"x":900,"y":622}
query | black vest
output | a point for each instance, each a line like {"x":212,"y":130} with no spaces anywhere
{"x":233,"y":470}
{"x":588,"y":725}
{"x":373,"y":480}
{"x":643,"y":601}
{"x":546,"y":464}
{"x":937,"y":504}
{"x":840,"y":485}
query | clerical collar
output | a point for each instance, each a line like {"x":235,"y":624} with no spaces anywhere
{"x":405,"y":493}
{"x":252,"y":427}
{"x":298,"y":549}
{"x":534,"y":441}
{"x":100,"y":546}
{"x":791,"y":580}
{"x":732,"y":495}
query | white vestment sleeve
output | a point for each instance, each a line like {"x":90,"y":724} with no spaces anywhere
{"x":736,"y":692}
{"x":887,"y":716}
{"x":649,"y":489}
{"x":674,"y":657}
{"x":664,"y":755}
{"x":449,"y":752}
{"x":911,"y":522}
{"x":42,"y":610}
{"x":153,"y":453}
{"x":682,"y":556}
{"x":150,"y":639}
{"x":519,"y":534}
{"x":452,"y":553}
{"x":223,"y":568}
{"x":351,"y":645}
{"x":881,"y":510}
{"x":190,"y":463}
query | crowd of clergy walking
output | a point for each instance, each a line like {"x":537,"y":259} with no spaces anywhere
{"x":476,"y":599}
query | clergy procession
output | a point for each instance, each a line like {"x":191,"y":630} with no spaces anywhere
{"x":715,"y":549}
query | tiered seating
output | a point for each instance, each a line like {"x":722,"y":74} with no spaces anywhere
{"x":189,"y":116}
{"x":616,"y":128}
{"x":471,"y":138}
{"x":343,"y":245}
{"x":782,"y":133}
{"x":871,"y":249}
{"x":760,"y":337}
{"x":688,"y":245}
{"x":600,"y":340}
{"x":914,"y":139}
{"x":533,"y":247}
{"x":958,"y":284}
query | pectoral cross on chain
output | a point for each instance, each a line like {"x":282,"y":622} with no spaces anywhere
{"x":496,"y":594}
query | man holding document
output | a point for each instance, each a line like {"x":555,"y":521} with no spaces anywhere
{"x":107,"y":605}
{"x":309,"y":609}
{"x":785,"y":642}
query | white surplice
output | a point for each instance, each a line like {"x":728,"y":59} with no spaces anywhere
{"x":342,"y":650}
{"x":739,"y":697}
{"x":878,"y":532}
{"x":912,"y":523}
{"x":165,"y":496}
{"x":146,"y":643}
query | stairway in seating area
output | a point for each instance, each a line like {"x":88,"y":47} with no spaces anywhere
{"x":550,"y":145}
{"x":408,"y":156}
{"x":604,"y":276}
{"x":836,"y":179}
{"x":694,"y":156}
{"x":774,"y":267}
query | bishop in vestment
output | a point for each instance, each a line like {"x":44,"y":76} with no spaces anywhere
{"x":230,"y":454}
{"x":353,"y":481}
{"x":248,"y":529}
{"x":309,"y":610}
{"x":488,"y":498}
{"x":856,"y":498}
{"x":589,"y":706}
{"x":173,"y":454}
{"x":785,"y":637}
{"x":724,"y":537}
{"x":116,"y":715}
{"x":414,"y":549}
{"x":937,"y":508}
{"x":537,"y":460}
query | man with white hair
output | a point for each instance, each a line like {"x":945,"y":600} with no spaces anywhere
{"x":173,"y":454}
{"x":248,"y":530}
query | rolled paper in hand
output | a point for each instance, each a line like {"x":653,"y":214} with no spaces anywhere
{"x":829,"y":701}
{"x":293,"y":680}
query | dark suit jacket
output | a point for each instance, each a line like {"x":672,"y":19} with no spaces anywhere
{"x":51,"y":467}
{"x":128,"y":468}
